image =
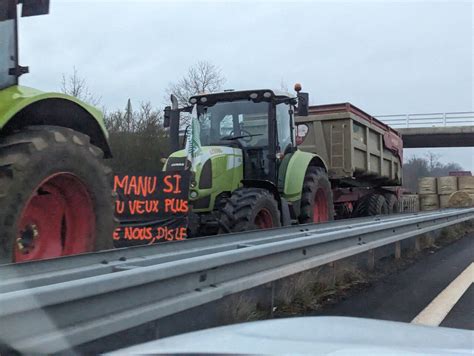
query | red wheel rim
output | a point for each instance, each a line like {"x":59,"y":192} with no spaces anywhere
{"x":57,"y":220}
{"x":320,"y":207}
{"x":264,"y":220}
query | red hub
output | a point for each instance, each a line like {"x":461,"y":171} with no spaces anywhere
{"x":57,"y":220}
{"x":320,"y":207}
{"x":264,"y":220}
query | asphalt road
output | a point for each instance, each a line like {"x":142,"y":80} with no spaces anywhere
{"x":403,"y":295}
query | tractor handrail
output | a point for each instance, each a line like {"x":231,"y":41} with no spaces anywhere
{"x":84,"y":301}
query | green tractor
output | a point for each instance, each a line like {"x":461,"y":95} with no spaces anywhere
{"x":247,"y":172}
{"x":55,"y":190}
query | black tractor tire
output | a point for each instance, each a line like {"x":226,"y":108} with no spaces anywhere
{"x":249,"y":209}
{"x":392,"y":203}
{"x":38,"y":154}
{"x":371,"y":204}
{"x":316,"y":193}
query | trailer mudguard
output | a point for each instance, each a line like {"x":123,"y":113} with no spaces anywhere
{"x":294,"y":171}
{"x":23,"y":106}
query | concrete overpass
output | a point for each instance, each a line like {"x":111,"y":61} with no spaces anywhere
{"x":434,"y":130}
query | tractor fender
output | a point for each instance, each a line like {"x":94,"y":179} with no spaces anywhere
{"x":294,"y":171}
{"x":22,"y":106}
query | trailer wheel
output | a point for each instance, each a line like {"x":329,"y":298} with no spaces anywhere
{"x":370,"y":205}
{"x":55,"y":195}
{"x":249,"y":209}
{"x":316,"y":199}
{"x":392,"y":203}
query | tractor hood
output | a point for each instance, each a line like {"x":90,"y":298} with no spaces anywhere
{"x":216,"y":169}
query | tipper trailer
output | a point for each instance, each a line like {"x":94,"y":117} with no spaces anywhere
{"x":262,"y":159}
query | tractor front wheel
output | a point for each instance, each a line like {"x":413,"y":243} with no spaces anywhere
{"x":55,"y":195}
{"x":316,"y":199}
{"x":249,"y":209}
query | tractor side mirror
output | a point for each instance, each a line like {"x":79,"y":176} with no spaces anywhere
{"x":303,"y":104}
{"x":167,"y":117}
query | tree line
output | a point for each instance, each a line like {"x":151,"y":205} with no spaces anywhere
{"x":427,"y":166}
{"x":138,"y":139}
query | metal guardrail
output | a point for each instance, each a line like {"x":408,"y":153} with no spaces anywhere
{"x":429,"y":120}
{"x":51,"y":306}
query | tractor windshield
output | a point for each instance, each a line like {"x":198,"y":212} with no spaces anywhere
{"x":244,"y":120}
{"x":7,"y":53}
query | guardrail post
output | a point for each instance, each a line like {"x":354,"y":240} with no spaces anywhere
{"x":444,"y":119}
{"x":272,"y":303}
{"x":407,"y":120}
{"x":371,"y":260}
{"x":417,"y":244}
{"x":332,"y":274}
{"x":398,"y":250}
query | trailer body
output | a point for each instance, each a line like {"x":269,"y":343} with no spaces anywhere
{"x":360,"y":151}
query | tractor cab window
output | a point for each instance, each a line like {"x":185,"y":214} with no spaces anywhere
{"x":243,"y":121}
{"x":7,"y":53}
{"x":284,"y":123}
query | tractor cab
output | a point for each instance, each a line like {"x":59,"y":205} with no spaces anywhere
{"x":10,"y":70}
{"x":239,"y":146}
{"x":260,"y":123}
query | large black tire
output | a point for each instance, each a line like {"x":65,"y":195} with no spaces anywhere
{"x":392,"y":203}
{"x":316,"y":199}
{"x":51,"y":154}
{"x":248,"y":209}
{"x":371,"y":205}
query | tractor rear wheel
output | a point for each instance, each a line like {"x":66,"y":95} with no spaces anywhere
{"x":55,"y":195}
{"x":316,"y":199}
{"x":370,"y":205}
{"x":249,"y":209}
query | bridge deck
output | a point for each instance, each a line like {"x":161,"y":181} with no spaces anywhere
{"x":460,"y":136}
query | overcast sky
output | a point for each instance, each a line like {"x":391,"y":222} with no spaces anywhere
{"x":384,"y":57}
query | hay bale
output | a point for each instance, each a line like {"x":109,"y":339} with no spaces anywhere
{"x":460,"y":199}
{"x":447,"y":185}
{"x":466,"y":183}
{"x":444,"y":201}
{"x":427,"y":185}
{"x":429,"y":202}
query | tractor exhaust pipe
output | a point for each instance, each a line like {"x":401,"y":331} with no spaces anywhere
{"x":171,"y":120}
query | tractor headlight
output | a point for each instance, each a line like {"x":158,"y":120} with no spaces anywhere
{"x":193,"y":194}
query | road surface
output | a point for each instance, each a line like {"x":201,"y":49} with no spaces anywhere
{"x":436,"y":283}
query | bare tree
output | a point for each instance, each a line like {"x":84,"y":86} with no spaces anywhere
{"x":137,"y":138}
{"x":284,"y":86}
{"x":203,"y":77}
{"x":74,"y":85}
{"x":433,"y":160}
